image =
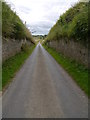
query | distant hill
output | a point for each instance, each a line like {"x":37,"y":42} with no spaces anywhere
{"x":12,"y":26}
{"x":73,"y":24}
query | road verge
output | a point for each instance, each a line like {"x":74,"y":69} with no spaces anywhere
{"x":77,"y":71}
{"x":13,"y":64}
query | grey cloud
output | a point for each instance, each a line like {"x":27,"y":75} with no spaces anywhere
{"x":50,"y":12}
{"x":40,"y":27}
{"x":24,"y":9}
{"x":39,"y":30}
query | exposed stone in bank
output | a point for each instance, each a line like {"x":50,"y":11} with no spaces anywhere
{"x":71,"y":49}
{"x":11,"y":46}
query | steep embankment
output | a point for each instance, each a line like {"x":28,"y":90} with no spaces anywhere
{"x":72,"y":24}
{"x":12,"y":26}
{"x":17,"y":46}
{"x":14,"y":32}
{"x":69,"y":34}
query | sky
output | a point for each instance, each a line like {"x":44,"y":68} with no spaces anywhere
{"x":40,"y":15}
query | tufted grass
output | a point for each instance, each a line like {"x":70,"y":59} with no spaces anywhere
{"x":13,"y":64}
{"x":77,"y":71}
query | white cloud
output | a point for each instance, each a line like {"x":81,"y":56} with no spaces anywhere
{"x":40,"y":15}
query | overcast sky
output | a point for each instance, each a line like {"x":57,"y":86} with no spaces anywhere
{"x":40,"y":15}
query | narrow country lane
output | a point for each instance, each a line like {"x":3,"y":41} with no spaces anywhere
{"x":42,"y":89}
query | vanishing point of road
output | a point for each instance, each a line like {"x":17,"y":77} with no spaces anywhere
{"x":42,"y":89}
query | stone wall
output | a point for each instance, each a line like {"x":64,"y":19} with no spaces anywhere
{"x":71,"y":49}
{"x":11,"y":46}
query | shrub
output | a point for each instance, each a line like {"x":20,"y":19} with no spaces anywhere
{"x":72,"y":24}
{"x":25,"y":47}
{"x":12,"y":26}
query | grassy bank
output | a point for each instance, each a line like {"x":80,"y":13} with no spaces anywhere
{"x":73,"y":20}
{"x":78,"y":72}
{"x":13,"y":64}
{"x":13,"y":26}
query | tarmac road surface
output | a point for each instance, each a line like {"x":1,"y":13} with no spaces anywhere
{"x":42,"y":89}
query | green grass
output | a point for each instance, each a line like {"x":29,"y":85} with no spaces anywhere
{"x":12,"y":25}
{"x":78,"y":72}
{"x":73,"y":20}
{"x":12,"y":65}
